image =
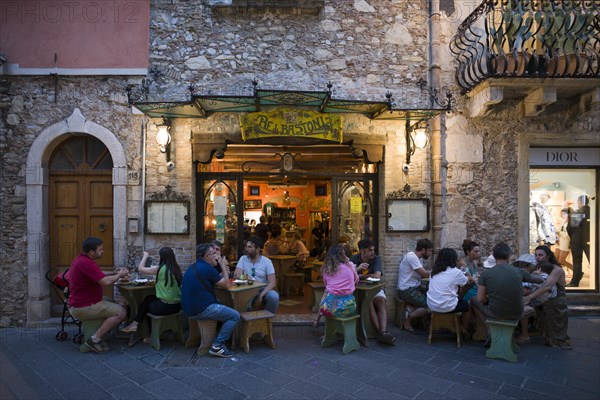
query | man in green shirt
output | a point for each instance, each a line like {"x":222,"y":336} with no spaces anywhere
{"x":500,"y":289}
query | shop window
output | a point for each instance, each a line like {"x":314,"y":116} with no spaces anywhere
{"x":563,"y":214}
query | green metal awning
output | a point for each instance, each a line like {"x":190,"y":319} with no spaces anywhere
{"x":203,"y":106}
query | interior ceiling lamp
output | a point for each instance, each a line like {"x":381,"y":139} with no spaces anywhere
{"x":416,"y":138}
{"x":163,"y":137}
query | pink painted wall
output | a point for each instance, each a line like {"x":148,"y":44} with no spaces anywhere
{"x":83,"y":34}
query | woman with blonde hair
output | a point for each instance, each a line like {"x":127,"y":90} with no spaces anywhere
{"x":340,"y":278}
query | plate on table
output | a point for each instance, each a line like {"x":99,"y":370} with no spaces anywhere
{"x":239,"y":282}
{"x":140,"y":281}
{"x":372,"y":280}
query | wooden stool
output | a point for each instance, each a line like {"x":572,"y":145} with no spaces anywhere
{"x":202,"y":334}
{"x":398,"y":313}
{"x":345,"y":326}
{"x":256,"y":322}
{"x":295,"y":278}
{"x":163,"y":323}
{"x":318,"y":289}
{"x":89,"y":327}
{"x":503,"y":343}
{"x":450,"y":321}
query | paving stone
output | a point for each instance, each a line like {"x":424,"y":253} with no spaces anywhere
{"x":85,"y":389}
{"x":271,"y":375}
{"x":129,"y":391}
{"x":223,"y":392}
{"x":143,"y":376}
{"x":375,"y":392}
{"x":287,"y":394}
{"x":561,"y":391}
{"x":169,"y":388}
{"x":467,"y":380}
{"x":309,"y":390}
{"x":427,"y":395}
{"x":469,"y":392}
{"x":334,"y":382}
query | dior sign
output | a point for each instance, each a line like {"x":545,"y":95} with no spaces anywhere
{"x":550,"y":156}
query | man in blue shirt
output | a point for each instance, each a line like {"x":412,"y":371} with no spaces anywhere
{"x":198,"y":299}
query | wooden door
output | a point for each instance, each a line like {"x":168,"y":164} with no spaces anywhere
{"x":80,"y":204}
{"x":79,"y":207}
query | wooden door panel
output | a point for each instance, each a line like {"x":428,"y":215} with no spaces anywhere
{"x":101,"y":227}
{"x":66,"y":237}
{"x":100,"y":194}
{"x":66,"y":196}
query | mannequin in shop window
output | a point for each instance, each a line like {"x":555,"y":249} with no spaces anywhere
{"x":563,"y":241}
{"x":580,"y":238}
{"x":545,"y":222}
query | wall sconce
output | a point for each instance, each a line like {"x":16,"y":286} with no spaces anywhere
{"x":416,"y":138}
{"x":163,"y":137}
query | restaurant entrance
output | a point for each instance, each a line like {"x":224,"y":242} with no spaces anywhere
{"x":339,"y":201}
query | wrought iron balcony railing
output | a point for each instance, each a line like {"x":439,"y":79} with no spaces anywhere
{"x":529,"y":39}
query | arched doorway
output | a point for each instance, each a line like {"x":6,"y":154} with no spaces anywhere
{"x":37,"y":181}
{"x":80,"y":203}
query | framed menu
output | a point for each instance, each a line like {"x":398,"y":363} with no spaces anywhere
{"x":167,"y":217}
{"x":407,"y":215}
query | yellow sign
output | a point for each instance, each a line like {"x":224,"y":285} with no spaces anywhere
{"x":355,"y":205}
{"x":285,"y":122}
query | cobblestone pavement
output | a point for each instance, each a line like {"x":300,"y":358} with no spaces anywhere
{"x":33,"y":365}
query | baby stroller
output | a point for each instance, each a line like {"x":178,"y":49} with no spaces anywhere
{"x":61,"y":287}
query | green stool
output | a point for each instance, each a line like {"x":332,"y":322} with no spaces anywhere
{"x":163,"y":323}
{"x":89,"y":327}
{"x":345,"y":326}
{"x":503,"y":344}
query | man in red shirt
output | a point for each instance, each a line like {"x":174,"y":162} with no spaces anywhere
{"x":86,"y":281}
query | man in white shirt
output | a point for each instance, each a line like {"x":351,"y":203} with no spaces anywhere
{"x":409,"y":283}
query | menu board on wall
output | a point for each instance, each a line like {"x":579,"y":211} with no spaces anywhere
{"x":167,"y":217}
{"x":407,"y":215}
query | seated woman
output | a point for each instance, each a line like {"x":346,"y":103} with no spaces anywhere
{"x":442,"y":296}
{"x":299,"y":249}
{"x":555,"y":313}
{"x":473,"y":254}
{"x":167,"y":300}
{"x":275,"y":245}
{"x":340,"y":278}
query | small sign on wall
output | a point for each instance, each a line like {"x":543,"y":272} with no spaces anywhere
{"x":133,"y":177}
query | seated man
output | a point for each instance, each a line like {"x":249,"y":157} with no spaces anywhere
{"x":410,"y":273}
{"x":86,"y":282}
{"x":368,"y":265}
{"x":198,"y":299}
{"x":260,"y":268}
{"x":500,"y":290}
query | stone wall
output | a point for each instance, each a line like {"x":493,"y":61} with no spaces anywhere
{"x":365,"y":47}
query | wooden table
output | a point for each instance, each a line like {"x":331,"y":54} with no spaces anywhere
{"x":316,"y":267}
{"x":238,"y":298}
{"x":364,"y":293}
{"x":135,"y":295}
{"x":282,"y":264}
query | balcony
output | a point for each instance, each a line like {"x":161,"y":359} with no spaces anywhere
{"x":542,"y":51}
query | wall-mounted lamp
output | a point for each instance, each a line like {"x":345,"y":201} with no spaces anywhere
{"x":163,"y":138}
{"x":416,"y":138}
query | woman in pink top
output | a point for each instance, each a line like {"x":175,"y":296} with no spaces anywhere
{"x":340,"y":278}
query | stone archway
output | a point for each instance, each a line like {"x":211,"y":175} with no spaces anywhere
{"x":38,"y":257}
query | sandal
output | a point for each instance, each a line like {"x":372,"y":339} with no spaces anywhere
{"x":406,"y":320}
{"x":131,"y":328}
